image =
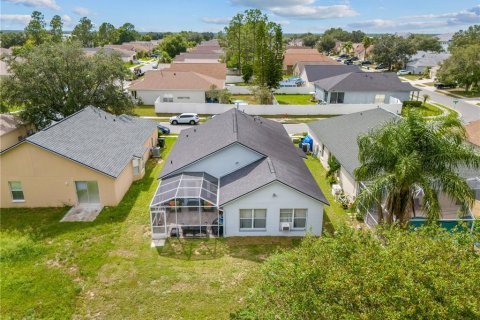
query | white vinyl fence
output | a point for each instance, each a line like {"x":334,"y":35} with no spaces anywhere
{"x":285,"y":90}
{"x":317,"y":109}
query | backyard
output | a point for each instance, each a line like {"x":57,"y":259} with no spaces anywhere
{"x":301,"y":99}
{"x":106,"y":268}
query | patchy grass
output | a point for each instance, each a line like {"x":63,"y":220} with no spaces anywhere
{"x":302,"y":99}
{"x":412,"y":76}
{"x":430,"y":84}
{"x":462,"y":93}
{"x":248,"y":98}
{"x":146,"y":110}
{"x":335,"y":216}
{"x":478,"y":104}
{"x":105,"y":269}
{"x":426,"y":110}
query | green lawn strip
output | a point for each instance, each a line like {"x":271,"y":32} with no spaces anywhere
{"x":427,"y":110}
{"x":106,"y":268}
{"x":335,"y":216}
{"x":303,"y":99}
{"x":412,"y":76}
{"x":430,"y":84}
{"x":461,"y":93}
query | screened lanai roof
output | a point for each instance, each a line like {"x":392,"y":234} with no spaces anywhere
{"x":187,"y":185}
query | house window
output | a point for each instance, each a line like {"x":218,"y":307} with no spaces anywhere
{"x":167,"y":98}
{"x":134,"y":94}
{"x":17,"y":191}
{"x":297,"y":218}
{"x":137,"y":166}
{"x":253,"y":219}
{"x":337,"y":97}
{"x":379,"y":98}
{"x":323,"y":150}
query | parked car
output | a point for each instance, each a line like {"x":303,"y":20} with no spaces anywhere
{"x":445,"y":85}
{"x":163,"y":129}
{"x":343,"y":56}
{"x":155,"y":65}
{"x":366,"y":62}
{"x":354,"y":58}
{"x":380,"y":66}
{"x":138,"y":72}
{"x":185,"y":118}
{"x":403,"y":72}
{"x":348,"y":62}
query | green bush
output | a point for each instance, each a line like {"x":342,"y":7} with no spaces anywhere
{"x":413,"y":104}
{"x":429,"y":273}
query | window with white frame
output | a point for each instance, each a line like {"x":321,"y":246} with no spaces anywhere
{"x":17,"y":191}
{"x":337,"y":97}
{"x":379,"y":98}
{"x":137,"y":166}
{"x":167,"y":98}
{"x":253,"y":219}
{"x":297,"y":218}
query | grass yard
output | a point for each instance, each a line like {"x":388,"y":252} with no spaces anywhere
{"x":248,"y":98}
{"x":412,"y":76}
{"x":335,"y":215}
{"x":461,"y":92}
{"x":427,"y":110}
{"x":106,"y":269}
{"x":147,"y":110}
{"x":294,"y":99}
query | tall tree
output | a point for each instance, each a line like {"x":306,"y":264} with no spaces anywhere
{"x":466,"y":37}
{"x":338,"y":34}
{"x":357,"y":36}
{"x":392,"y":50}
{"x":56,"y":26}
{"x":326,"y":43}
{"x":347,"y":47}
{"x":10,"y":39}
{"x":35,"y":29}
{"x":235,"y":39}
{"x":367,"y":42}
{"x":172,"y":45}
{"x":462,"y":67}
{"x":410,"y":154}
{"x":425,"y":42}
{"x":310,"y":39}
{"x":127,"y":33}
{"x":55,"y":80}
{"x":106,"y":34}
{"x":84,"y":33}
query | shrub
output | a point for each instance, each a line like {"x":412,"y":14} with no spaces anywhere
{"x":412,"y":104}
{"x":429,"y":273}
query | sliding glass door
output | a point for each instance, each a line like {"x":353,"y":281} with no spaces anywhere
{"x":87,"y":192}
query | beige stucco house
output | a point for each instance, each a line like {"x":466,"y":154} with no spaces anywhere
{"x":90,"y":157}
{"x":12,"y":130}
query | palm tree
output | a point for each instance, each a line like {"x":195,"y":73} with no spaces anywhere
{"x":410,"y":154}
{"x":367,"y":42}
{"x":347,"y":47}
{"x":425,"y":98}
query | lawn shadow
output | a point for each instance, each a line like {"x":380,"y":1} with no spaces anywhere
{"x":255,"y":249}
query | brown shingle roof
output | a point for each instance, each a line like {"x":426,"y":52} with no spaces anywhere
{"x":292,"y":56}
{"x":473,"y":132}
{"x":175,"y":80}
{"x":214,"y":70}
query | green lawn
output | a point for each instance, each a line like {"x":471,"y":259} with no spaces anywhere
{"x":106,"y":269}
{"x":427,"y":110}
{"x":461,"y":92}
{"x":294,"y":99}
{"x":248,"y":98}
{"x":412,"y":76}
{"x":145,"y":111}
{"x":335,"y":215}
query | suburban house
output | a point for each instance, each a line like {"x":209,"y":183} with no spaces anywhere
{"x":173,"y":86}
{"x":360,"y":52}
{"x":424,"y":59}
{"x":89,"y":158}
{"x":310,"y":72}
{"x":193,"y":57}
{"x":363,"y":88}
{"x":4,"y":53}
{"x":250,"y":176}
{"x":445,"y":40}
{"x":214,"y":70}
{"x":338,"y":136}
{"x":294,"y":55}
{"x":12,"y":130}
{"x":125,"y":55}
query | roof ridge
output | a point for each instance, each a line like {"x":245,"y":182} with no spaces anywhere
{"x":65,"y":118}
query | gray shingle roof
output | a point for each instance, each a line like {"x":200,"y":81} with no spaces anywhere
{"x":340,"y":134}
{"x":365,"y":81}
{"x":322,"y":71}
{"x":97,"y":139}
{"x":427,"y":59}
{"x":281,"y":160}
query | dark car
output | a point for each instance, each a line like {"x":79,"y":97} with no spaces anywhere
{"x":366,"y":62}
{"x":445,"y":85}
{"x":354,"y":58}
{"x":348,"y":62}
{"x":380,"y":66}
{"x":163,"y":129}
{"x":343,"y":56}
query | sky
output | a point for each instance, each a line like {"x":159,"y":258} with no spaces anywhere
{"x":295,"y":16}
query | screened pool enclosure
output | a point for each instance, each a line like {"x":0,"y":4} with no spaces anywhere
{"x":186,"y":205}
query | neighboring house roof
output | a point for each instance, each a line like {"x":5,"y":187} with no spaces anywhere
{"x":122,"y":52}
{"x":427,"y":59}
{"x":214,"y":70}
{"x":446,"y":37}
{"x":280,"y":162}
{"x":340,"y":134}
{"x":365,"y":81}
{"x":175,"y":80}
{"x":197,"y":56}
{"x":316,"y":72}
{"x":300,"y":65}
{"x":8,"y":123}
{"x":4,"y":69}
{"x":97,"y":139}
{"x":473,"y":132}
{"x":293,"y":55}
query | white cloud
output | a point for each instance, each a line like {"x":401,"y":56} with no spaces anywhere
{"x":66,"y":19}
{"x":15,"y":18}
{"x":300,"y":9}
{"x":283,"y":22}
{"x":422,"y":22}
{"x":50,"y":4}
{"x":213,"y":20}
{"x":81,"y":11}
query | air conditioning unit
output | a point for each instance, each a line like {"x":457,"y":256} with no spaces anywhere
{"x":156,"y":152}
{"x":285,"y":226}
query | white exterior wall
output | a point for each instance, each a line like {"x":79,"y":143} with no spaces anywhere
{"x":286,"y":198}
{"x":347,"y":182}
{"x":415,"y":69}
{"x":183,"y":96}
{"x":365,"y":97}
{"x":225,"y":161}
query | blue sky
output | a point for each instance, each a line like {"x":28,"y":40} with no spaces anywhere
{"x":426,"y":16}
